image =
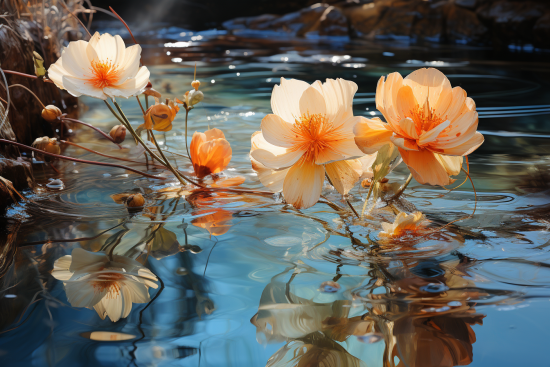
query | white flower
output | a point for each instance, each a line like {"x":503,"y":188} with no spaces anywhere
{"x":310,"y":133}
{"x":100,"y":68}
{"x":91,"y":280}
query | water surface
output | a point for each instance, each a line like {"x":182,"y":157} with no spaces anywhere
{"x":247,"y":280}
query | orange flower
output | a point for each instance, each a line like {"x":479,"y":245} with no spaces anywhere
{"x":159,"y":116}
{"x":210,"y":152}
{"x":432,"y":124}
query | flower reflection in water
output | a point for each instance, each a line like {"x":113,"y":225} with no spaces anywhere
{"x":419,"y":326}
{"x":109,"y":286}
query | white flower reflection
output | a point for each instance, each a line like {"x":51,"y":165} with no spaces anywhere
{"x":110,"y":287}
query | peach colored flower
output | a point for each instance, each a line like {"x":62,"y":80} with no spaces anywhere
{"x":432,"y":124}
{"x":402,"y":224}
{"x":100,"y":68}
{"x":160,"y":116}
{"x":210,"y":152}
{"x":308,"y":134}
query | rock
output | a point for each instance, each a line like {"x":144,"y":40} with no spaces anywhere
{"x":319,"y":18}
{"x":333,"y":23}
{"x":397,"y":20}
{"x":363,"y":18}
{"x":511,"y":21}
{"x":429,"y":25}
{"x":19,"y":173}
{"x":541,"y":32}
{"x":464,"y":27}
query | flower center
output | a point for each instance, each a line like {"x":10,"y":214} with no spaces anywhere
{"x":313,"y":133}
{"x":105,"y":74}
{"x":109,"y":282}
{"x":425,"y":118}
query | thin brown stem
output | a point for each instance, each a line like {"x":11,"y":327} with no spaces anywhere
{"x":123,"y":22}
{"x":178,"y":175}
{"x":186,"y":147}
{"x":79,"y":160}
{"x":101,"y":154}
{"x":20,"y":74}
{"x":402,"y":188}
{"x":30,"y":91}
{"x":142,"y":110}
{"x":91,"y":127}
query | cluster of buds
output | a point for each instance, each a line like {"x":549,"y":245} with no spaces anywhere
{"x":51,"y":113}
{"x":49,"y":145}
{"x":118,"y":133}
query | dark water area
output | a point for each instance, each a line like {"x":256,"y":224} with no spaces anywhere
{"x":246,"y":280}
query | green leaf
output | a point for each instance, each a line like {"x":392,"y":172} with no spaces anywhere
{"x":164,"y":244}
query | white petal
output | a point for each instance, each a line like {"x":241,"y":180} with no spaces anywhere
{"x":130,"y":64}
{"x":82,"y":259}
{"x":81,"y":293}
{"x":343,"y":175}
{"x":285,"y":99}
{"x":338,"y":95}
{"x":312,"y":102}
{"x":277,"y":131}
{"x":277,"y":161}
{"x":109,"y":48}
{"x":79,"y":87}
{"x":75,"y":61}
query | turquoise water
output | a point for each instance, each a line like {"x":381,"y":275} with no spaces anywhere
{"x":280,"y":287}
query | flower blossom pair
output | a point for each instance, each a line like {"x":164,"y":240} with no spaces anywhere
{"x":312,"y":133}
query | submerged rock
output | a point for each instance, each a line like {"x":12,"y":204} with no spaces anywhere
{"x":464,"y":27}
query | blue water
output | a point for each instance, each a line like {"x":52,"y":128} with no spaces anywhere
{"x":475,"y":293}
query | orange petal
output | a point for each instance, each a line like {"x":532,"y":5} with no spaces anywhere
{"x":371,"y":135}
{"x":344,"y":174}
{"x":303,"y":184}
{"x":425,"y":168}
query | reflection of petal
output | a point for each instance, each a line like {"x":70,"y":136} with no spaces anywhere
{"x":216,"y":224}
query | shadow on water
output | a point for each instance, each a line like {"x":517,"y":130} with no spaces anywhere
{"x":238,"y":279}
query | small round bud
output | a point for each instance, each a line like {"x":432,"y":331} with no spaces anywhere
{"x":135,"y":201}
{"x":49,"y":145}
{"x":118,"y":133}
{"x":196,"y":84}
{"x":194,"y":97}
{"x":51,"y":113}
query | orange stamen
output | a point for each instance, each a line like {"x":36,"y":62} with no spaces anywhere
{"x":105,"y":74}
{"x":314,"y":133}
{"x":425,"y":119}
{"x":109,"y":282}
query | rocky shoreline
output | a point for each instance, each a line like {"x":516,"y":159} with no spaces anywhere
{"x":496,"y":23}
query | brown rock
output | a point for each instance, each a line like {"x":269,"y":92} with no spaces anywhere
{"x":429,"y":25}
{"x":363,"y":18}
{"x":396,"y":22}
{"x":541,"y":32}
{"x":333,"y":23}
{"x":469,"y":4}
{"x":464,"y":27}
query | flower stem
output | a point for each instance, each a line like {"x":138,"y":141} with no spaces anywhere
{"x":142,"y":110}
{"x":136,"y":136}
{"x":367,"y":199}
{"x":402,"y":188}
{"x":30,"y":91}
{"x":178,"y":175}
{"x":91,"y":127}
{"x":186,"y":147}
{"x":98,"y":153}
{"x":79,"y":160}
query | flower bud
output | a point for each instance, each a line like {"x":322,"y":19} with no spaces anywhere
{"x":196,"y":84}
{"x":194,"y":97}
{"x":118,"y":133}
{"x":135,"y":201}
{"x":39,"y":69}
{"x":51,"y":113}
{"x":149,"y":91}
{"x":46,"y":144}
